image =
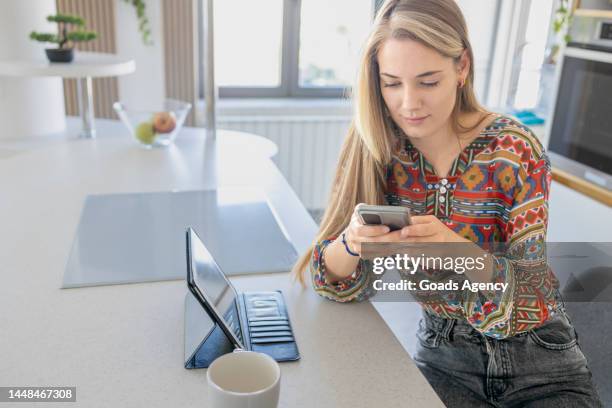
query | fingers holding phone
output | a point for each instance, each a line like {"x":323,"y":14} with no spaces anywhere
{"x":377,"y":223}
{"x":359,"y":232}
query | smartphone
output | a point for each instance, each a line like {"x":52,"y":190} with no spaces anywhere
{"x":395,"y":217}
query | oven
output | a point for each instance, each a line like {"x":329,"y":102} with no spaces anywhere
{"x":580,"y":129}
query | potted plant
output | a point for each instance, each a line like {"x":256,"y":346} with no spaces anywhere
{"x":143,"y":21}
{"x":65,"y":39}
{"x":563,"y":16}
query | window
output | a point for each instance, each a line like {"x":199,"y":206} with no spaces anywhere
{"x":330,"y":41}
{"x":248,"y":43}
{"x":532,"y":54}
{"x":287,"y":48}
{"x":522,"y":31}
{"x":310,"y":48}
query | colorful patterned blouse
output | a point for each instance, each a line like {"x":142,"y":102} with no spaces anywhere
{"x":496,"y":191}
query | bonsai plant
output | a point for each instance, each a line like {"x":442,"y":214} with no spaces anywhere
{"x":64,"y":39}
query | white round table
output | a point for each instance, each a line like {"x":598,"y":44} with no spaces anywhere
{"x":86,"y":65}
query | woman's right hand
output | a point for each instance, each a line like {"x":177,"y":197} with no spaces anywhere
{"x":357,"y":233}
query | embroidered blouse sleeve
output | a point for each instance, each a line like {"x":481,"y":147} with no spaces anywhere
{"x":525,"y":303}
{"x":353,"y":288}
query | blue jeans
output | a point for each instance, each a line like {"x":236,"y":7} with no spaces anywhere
{"x":544,"y":367}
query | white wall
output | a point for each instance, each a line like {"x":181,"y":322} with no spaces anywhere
{"x":144,"y":89}
{"x":574,"y":217}
{"x":480,"y":19}
{"x":28,"y":106}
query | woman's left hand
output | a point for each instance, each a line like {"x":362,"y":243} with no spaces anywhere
{"x":428,"y":228}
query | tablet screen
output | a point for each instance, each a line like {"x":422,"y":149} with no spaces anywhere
{"x":214,"y":286}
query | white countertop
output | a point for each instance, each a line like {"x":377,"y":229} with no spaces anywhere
{"x":122,"y":345}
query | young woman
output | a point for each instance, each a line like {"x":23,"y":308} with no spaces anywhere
{"x":420,"y":139}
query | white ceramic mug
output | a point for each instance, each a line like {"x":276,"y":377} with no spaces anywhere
{"x":243,"y":379}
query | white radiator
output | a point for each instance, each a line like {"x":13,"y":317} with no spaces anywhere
{"x":308,"y":148}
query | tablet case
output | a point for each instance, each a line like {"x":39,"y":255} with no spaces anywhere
{"x":265,"y":325}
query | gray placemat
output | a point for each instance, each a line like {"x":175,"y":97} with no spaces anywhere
{"x":140,"y":237}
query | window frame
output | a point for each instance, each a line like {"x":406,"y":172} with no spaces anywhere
{"x":550,"y":40}
{"x":289,"y":86}
{"x":511,"y":22}
{"x":504,"y":46}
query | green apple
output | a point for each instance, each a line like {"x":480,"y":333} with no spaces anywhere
{"x":145,"y":132}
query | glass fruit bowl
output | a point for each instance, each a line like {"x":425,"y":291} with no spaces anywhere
{"x":154,"y":127}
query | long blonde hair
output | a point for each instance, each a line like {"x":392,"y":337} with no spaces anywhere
{"x":361,"y":172}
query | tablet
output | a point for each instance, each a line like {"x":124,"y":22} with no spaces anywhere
{"x":212,"y":289}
